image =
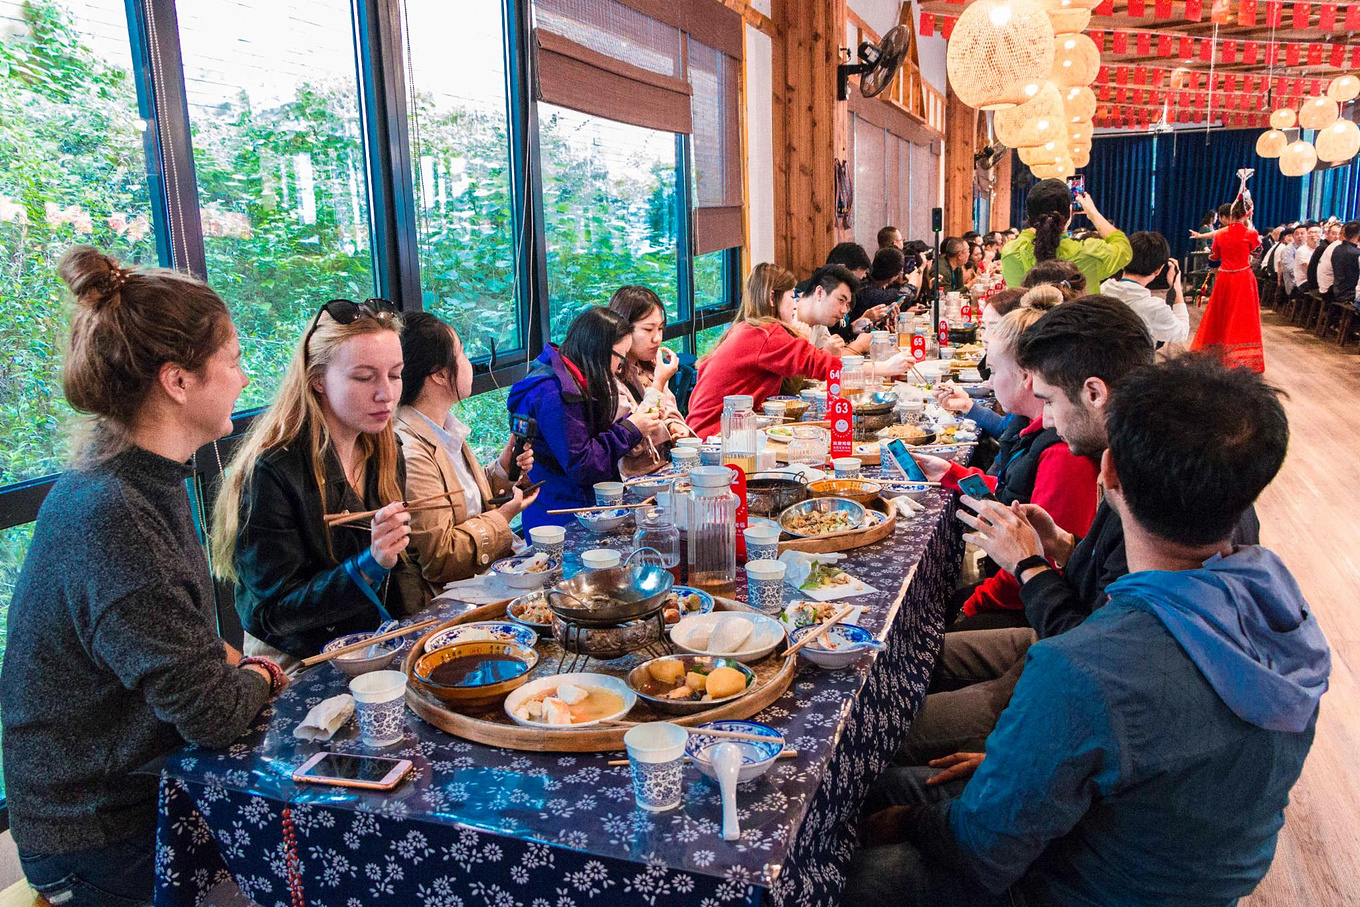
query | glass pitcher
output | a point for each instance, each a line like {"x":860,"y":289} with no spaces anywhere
{"x":712,"y":531}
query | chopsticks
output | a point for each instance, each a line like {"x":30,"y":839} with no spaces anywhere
{"x":710,"y":732}
{"x":419,"y":504}
{"x":783,"y":754}
{"x":365,"y":643}
{"x":600,"y":508}
{"x":836,"y":618}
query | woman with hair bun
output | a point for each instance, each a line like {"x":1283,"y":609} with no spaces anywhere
{"x":113,"y":656}
{"x":1049,"y":207}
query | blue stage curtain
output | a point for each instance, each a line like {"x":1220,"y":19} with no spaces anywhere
{"x":1120,"y":179}
{"x":1336,"y":192}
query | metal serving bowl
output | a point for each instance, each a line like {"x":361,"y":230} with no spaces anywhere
{"x":873,"y":412}
{"x":769,"y":493}
{"x":861,"y":491}
{"x":640,"y":681}
{"x":852,"y":509}
{"x":599,"y":598}
{"x":607,"y":643}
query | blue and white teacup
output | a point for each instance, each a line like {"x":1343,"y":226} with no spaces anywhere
{"x":380,"y":703}
{"x":656,"y":758}
{"x":765,"y":585}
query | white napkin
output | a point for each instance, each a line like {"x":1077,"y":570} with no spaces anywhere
{"x":325,"y":718}
{"x":483,"y":589}
{"x":798,"y":565}
{"x":906,"y":508}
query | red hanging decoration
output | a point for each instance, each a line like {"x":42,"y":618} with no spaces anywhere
{"x":1120,"y":42}
{"x":1194,"y":10}
{"x":1163,"y":9}
{"x":1316,"y":88}
{"x":1163,"y":45}
{"x":1106,"y":8}
{"x":1122,"y":96}
{"x":1187,"y":47}
{"x":1229,"y":51}
{"x":1301,"y":11}
{"x":1103,"y":74}
{"x":1137,"y":8}
{"x":1249,"y":53}
{"x":1230,"y":82}
{"x":1246,"y":12}
{"x":1338,"y":55}
{"x":1353,"y":18}
{"x":948,"y":28}
{"x":1314,"y":54}
{"x":1121,"y":75}
{"x":1144,"y":44}
{"x":1355,"y":54}
{"x":927,"y":24}
{"x":1272,"y":53}
{"x":1274,"y":13}
{"x":1327,"y":17}
{"x":1291,"y":55}
{"x":1140,"y":75}
{"x":1098,"y":37}
{"x":1206,"y":50}
{"x":1104,"y":93}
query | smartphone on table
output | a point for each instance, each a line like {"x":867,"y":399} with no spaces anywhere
{"x":353,"y":770}
{"x":904,"y":461}
{"x":976,"y":487}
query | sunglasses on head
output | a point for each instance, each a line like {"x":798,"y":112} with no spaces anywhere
{"x":347,"y":311}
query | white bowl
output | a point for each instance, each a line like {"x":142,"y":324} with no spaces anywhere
{"x":603,"y":521}
{"x":858,"y":641}
{"x":522,"y":579}
{"x":543,"y":684}
{"x":766,"y":634}
{"x":756,"y":758}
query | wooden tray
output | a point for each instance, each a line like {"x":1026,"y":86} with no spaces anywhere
{"x":491,"y":726}
{"x":846,"y":541}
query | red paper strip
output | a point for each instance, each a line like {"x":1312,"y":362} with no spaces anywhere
{"x":1121,"y":75}
{"x":1230,"y":82}
{"x":1137,"y":8}
{"x":1301,"y":11}
{"x":1194,"y":10}
{"x":1120,"y":42}
{"x":1353,"y":18}
{"x":1314,"y":54}
{"x":1163,"y":45}
{"x":1187,"y":47}
{"x":1274,"y":13}
{"x":1206,"y":50}
{"x":1103,"y":74}
{"x":1144,"y":44}
{"x":1246,"y":12}
{"x":1291,"y":55}
{"x":1162,"y":9}
{"x":1122,"y":95}
{"x":1106,"y":8}
{"x":1229,"y":51}
{"x":1249,"y":53}
{"x":1316,"y":88}
{"x":1327,"y":17}
{"x":927,"y":24}
{"x":1098,"y":37}
{"x":1104,"y":93}
{"x":948,"y":28}
{"x":1140,"y":75}
{"x":1355,"y":55}
{"x":1272,"y":53}
{"x":1338,"y":55}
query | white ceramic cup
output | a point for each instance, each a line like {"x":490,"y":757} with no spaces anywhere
{"x":656,"y":757}
{"x":765,"y":585}
{"x":608,"y":494}
{"x":692,"y":443}
{"x":847,"y":467}
{"x":600,"y":558}
{"x":380,"y":702}
{"x":548,"y":535}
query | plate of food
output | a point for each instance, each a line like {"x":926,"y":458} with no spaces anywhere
{"x":826,"y":582}
{"x":484,"y":631}
{"x":570,"y":700}
{"x":821,"y":516}
{"x":682,"y":601}
{"x":684,"y":684}
{"x":781,"y":433}
{"x":532,"y":611}
{"x":746,"y":637}
{"x":603,"y":521}
{"x":838,"y":647}
{"x":801,"y":613}
{"x":529,"y":571}
{"x":911,"y":434}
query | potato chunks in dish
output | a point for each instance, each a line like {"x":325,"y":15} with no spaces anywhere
{"x":667,"y":671}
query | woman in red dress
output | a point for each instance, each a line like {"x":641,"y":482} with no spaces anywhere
{"x":1231,"y":327}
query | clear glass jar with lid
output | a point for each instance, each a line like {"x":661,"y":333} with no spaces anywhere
{"x":904,"y":330}
{"x":656,"y":529}
{"x":739,"y":433}
{"x":712,"y":530}
{"x":882,"y":346}
{"x":852,"y":377}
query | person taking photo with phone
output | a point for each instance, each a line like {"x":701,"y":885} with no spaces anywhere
{"x":1049,"y":207}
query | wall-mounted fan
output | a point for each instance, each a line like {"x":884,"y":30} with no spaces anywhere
{"x":990,"y":156}
{"x":878,"y":64}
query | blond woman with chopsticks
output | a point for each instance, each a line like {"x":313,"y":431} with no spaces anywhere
{"x":325,"y":446}
{"x":461,"y":539}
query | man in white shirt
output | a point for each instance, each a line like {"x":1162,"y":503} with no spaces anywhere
{"x":1325,"y":275}
{"x":1312,"y":236}
{"x":1168,"y":321}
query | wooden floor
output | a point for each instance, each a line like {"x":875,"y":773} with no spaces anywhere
{"x":1310,"y":516}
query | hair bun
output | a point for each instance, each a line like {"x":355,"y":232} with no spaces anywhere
{"x":1042,"y":298}
{"x":93,"y":277}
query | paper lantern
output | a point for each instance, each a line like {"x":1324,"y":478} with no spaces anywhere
{"x":1318,"y":113}
{"x":1299,"y":158}
{"x":1079,"y":133}
{"x":1035,"y":122}
{"x":1000,"y":53}
{"x":1282,"y":119}
{"x":1069,"y":21}
{"x":1344,"y":88}
{"x":1338,"y":142}
{"x":1081,"y":156}
{"x":1059,"y":169}
{"x":1271,"y":143}
{"x":1076,"y":61}
{"x":1047,"y":153}
{"x":1080,"y":102}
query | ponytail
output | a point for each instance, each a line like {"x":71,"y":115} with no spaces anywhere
{"x":1048,"y":232}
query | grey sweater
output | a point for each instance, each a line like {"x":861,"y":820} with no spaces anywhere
{"x":113,"y":656}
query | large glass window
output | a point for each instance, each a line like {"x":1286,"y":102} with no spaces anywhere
{"x":461,"y":164}
{"x":609,"y":209}
{"x":72,"y":170}
{"x":274,"y":111}
{"x":711,"y":288}
{"x":707,"y":339}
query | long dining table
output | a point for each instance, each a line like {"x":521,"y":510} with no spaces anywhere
{"x":478,"y":825}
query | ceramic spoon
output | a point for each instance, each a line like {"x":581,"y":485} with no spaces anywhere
{"x":726,"y":761}
{"x":372,"y":651}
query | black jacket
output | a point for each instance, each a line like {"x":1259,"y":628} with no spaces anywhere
{"x":868,"y":296}
{"x":1056,"y":601}
{"x":292,"y":590}
{"x":1345,"y":272}
{"x":1017,"y":462}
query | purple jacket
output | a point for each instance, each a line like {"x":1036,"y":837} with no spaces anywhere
{"x":567,"y":456}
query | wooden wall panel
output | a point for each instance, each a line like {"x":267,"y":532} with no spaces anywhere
{"x":959,"y":148}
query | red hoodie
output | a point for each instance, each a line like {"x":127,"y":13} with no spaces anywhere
{"x":1065,"y":486}
{"x":753,"y":359}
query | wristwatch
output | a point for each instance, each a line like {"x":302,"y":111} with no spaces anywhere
{"x":277,"y":679}
{"x":1034,"y":560}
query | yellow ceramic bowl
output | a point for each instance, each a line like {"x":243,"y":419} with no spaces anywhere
{"x":490,"y":670}
{"x":861,"y":491}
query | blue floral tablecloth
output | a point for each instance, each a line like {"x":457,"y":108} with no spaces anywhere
{"x":484,"y":826}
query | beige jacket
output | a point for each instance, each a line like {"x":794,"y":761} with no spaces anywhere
{"x":445,"y":544}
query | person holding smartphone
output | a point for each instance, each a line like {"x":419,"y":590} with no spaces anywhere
{"x":1167,"y":321}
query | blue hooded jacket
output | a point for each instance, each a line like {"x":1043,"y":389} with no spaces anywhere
{"x":1147,"y":754}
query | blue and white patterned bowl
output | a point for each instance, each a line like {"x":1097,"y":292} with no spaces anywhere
{"x":357,"y":663}
{"x":489,"y":630}
{"x":603,"y":521}
{"x":512,"y":571}
{"x":705,"y":600}
{"x":857,"y":641}
{"x":756,"y":757}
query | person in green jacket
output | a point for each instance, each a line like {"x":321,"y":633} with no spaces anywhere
{"x":1050,"y":208}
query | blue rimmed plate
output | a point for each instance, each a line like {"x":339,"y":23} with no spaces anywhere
{"x":756,"y":756}
{"x":485,"y":631}
{"x":851,"y":643}
{"x":682,"y":597}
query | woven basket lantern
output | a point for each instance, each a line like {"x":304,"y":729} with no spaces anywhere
{"x":1076,"y":61}
{"x":1081,"y":155}
{"x":1059,"y":5}
{"x":1033,"y":123}
{"x":1061,"y":169}
{"x":1069,"y":21}
{"x":1271,"y":143}
{"x":1299,"y":158}
{"x":1344,"y":88}
{"x":1080,"y":102}
{"x":1284,"y":118}
{"x":1318,"y":113}
{"x":1000,"y":53}
{"x":1047,"y":153}
{"x":1338,"y":142}
{"x":1079,"y":133}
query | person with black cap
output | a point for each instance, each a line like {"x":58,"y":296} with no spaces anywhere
{"x":1050,"y":210}
{"x":876,"y":296}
